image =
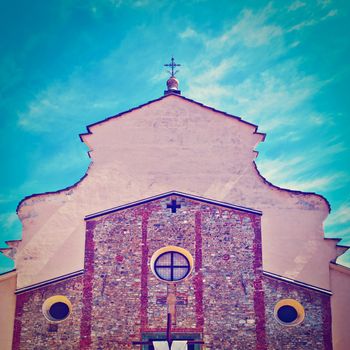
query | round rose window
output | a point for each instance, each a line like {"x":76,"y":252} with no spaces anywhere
{"x":171,"y":264}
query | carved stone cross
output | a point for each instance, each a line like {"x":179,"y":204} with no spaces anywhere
{"x":173,"y":206}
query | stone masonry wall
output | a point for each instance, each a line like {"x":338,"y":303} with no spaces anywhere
{"x":111,"y":312}
{"x":220,"y":239}
{"x":313,"y":333}
{"x":226,"y":298}
{"x":33,"y":331}
{"x":230,"y":278}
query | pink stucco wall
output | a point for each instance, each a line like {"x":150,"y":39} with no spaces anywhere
{"x":340,"y":304}
{"x":174,"y":144}
{"x":7,"y":309}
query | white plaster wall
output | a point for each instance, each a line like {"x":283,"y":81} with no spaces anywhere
{"x":173,"y":144}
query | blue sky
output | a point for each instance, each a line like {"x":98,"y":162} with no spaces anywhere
{"x":280,"y":64}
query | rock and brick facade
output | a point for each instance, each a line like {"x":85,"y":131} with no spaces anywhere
{"x":33,"y":331}
{"x":227,"y":300}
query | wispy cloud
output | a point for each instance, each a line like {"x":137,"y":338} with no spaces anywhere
{"x":275,"y":93}
{"x":340,"y":216}
{"x":8,"y":220}
{"x":10,"y":227}
{"x":296,"y":173}
{"x":313,"y":21}
{"x":324,"y":3}
{"x":336,"y":232}
{"x":64,"y":103}
{"x":70,"y":158}
{"x":116,"y":3}
{"x":317,"y":184}
{"x":208,"y":86}
{"x":296,"y":5}
{"x":140,"y":3}
{"x":8,"y":198}
{"x":337,"y":225}
{"x":300,"y":172}
{"x":188,"y":33}
{"x":253,"y":30}
{"x":252,"y":83}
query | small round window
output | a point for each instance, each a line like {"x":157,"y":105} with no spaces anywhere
{"x":289,"y":312}
{"x":57,"y":308}
{"x":171,"y":264}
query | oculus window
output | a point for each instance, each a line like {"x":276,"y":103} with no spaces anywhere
{"x":289,"y":312}
{"x":171,"y":264}
{"x":57,"y":308}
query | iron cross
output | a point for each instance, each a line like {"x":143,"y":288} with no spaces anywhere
{"x":172,"y":65}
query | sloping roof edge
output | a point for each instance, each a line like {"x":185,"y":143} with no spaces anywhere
{"x":166,"y":96}
{"x":296,"y":282}
{"x":341,"y":268}
{"x":172,"y":193}
{"x":81,"y":272}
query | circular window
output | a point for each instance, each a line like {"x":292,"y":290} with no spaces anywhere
{"x":289,"y":312}
{"x":57,"y":308}
{"x":171,"y":264}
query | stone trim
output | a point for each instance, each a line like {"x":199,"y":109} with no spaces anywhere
{"x":198,"y":279}
{"x":50,"y":281}
{"x":259,"y":294}
{"x":85,"y":325}
{"x":298,"y":283}
{"x":144,"y":269}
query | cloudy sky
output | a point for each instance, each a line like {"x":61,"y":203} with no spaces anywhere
{"x":283,"y":65}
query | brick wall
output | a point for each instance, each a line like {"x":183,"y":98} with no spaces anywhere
{"x":33,"y":331}
{"x":313,"y":333}
{"x":226,"y":298}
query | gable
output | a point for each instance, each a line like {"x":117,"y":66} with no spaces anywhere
{"x":180,"y":97}
{"x":171,"y":121}
{"x":171,"y":195}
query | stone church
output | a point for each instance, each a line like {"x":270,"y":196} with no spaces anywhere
{"x":174,"y":240}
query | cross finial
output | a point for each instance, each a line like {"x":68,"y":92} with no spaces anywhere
{"x":172,"y":65}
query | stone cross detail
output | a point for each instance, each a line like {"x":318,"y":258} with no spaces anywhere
{"x":173,"y":206}
{"x":168,"y":337}
{"x":172,"y":65}
{"x":171,"y":301}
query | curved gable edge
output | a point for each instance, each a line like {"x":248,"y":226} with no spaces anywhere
{"x":340,"y":249}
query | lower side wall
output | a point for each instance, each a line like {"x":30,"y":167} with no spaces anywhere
{"x":313,"y":333}
{"x":340,"y":283}
{"x":7,"y":308}
{"x":33,"y":330}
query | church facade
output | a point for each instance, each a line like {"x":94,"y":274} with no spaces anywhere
{"x":173,"y":228}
